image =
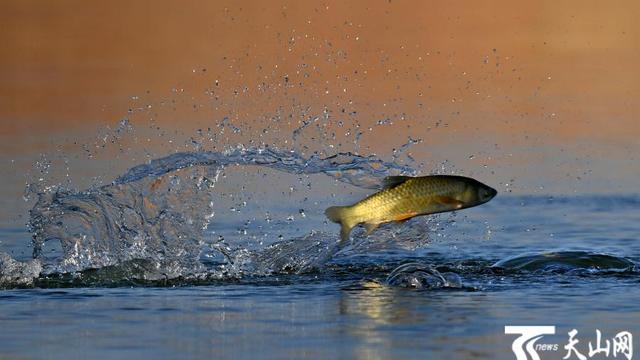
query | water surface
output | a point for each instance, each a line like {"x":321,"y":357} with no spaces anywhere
{"x":229,"y":255}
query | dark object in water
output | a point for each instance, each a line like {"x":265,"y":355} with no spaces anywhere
{"x":565,"y":261}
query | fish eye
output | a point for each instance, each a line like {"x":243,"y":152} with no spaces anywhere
{"x":486,"y":193}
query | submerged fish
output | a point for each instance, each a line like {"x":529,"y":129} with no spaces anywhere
{"x":404,"y":197}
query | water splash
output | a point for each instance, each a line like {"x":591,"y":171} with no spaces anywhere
{"x":157,"y":221}
{"x":15,"y":273}
{"x":422,"y":276}
{"x":362,"y":171}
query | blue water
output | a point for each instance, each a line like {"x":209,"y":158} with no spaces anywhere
{"x":567,"y":261}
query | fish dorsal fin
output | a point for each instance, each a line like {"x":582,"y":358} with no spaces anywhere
{"x":392,"y":181}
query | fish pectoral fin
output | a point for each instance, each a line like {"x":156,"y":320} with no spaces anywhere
{"x":345,"y":231}
{"x":449,"y":201}
{"x":392,"y":181}
{"x":369,"y":227}
{"x":404,"y":217}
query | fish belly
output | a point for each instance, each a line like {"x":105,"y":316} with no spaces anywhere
{"x":389,"y":206}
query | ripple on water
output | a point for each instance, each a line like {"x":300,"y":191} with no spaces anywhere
{"x":565,"y":261}
{"x":422,"y":276}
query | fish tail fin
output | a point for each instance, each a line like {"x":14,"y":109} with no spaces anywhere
{"x":342,"y":215}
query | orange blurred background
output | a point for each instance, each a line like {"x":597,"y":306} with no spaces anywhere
{"x":509,"y":91}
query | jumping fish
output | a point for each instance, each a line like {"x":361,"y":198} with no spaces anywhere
{"x":403,"y":197}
